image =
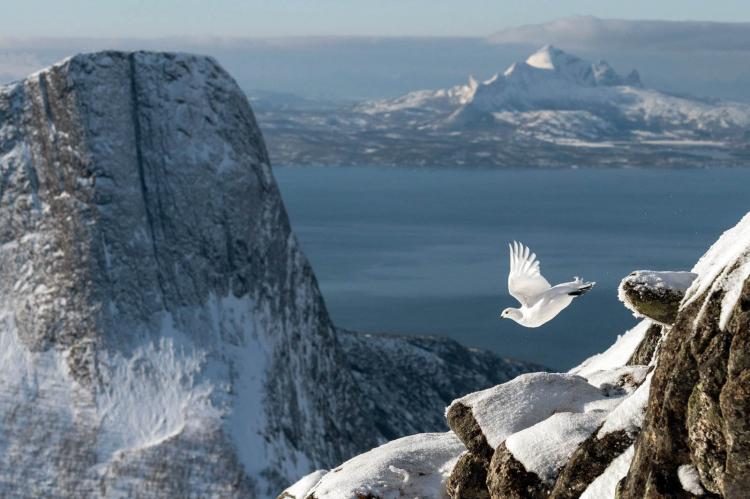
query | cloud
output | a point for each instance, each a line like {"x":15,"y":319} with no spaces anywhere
{"x":618,"y":34}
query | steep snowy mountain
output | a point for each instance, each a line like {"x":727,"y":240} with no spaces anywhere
{"x":662,"y":413}
{"x":553,"y":109}
{"x":161,"y":332}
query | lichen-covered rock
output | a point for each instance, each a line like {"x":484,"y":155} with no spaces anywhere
{"x":589,"y":461}
{"x":644,"y":354}
{"x":461,"y":420}
{"x":468,"y":479}
{"x":655,"y":295}
{"x":699,"y":407}
{"x":507,"y":478}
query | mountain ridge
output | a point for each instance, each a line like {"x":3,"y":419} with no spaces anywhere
{"x":552,"y":110}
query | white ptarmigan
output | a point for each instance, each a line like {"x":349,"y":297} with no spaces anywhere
{"x":540,"y":302}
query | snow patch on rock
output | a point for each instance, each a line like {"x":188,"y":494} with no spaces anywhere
{"x":505,"y":409}
{"x":545,"y":447}
{"x":605,"y":485}
{"x":414,"y":466}
{"x":689,"y":479}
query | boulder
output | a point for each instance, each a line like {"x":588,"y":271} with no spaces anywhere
{"x":655,"y":295}
{"x":414,"y":466}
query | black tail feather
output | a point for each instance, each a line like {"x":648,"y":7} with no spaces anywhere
{"x":582,"y":290}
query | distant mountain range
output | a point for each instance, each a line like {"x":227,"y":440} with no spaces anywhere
{"x":553,"y":109}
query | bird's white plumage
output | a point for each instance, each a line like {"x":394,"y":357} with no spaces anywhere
{"x":540,"y":302}
{"x":525,"y":281}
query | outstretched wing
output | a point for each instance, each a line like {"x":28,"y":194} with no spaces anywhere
{"x":525,"y":282}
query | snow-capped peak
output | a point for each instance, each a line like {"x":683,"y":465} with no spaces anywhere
{"x":550,"y":57}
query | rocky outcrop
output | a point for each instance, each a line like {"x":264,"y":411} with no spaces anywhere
{"x":468,"y":479}
{"x":588,"y":462}
{"x":507,"y":477}
{"x":644,"y":354}
{"x":655,"y":295}
{"x":699,"y":407}
{"x":161,"y":332}
{"x":663,"y":413}
{"x":505,"y":428}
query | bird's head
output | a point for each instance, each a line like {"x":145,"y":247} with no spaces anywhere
{"x":511,"y":313}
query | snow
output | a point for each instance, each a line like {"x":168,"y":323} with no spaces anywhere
{"x":615,"y":356}
{"x":714,"y":270}
{"x":733,"y":287}
{"x":505,"y":409}
{"x":629,"y":414}
{"x":663,"y":280}
{"x":689,"y":479}
{"x":303,"y":486}
{"x":545,"y":447}
{"x":542,"y":58}
{"x":624,"y":378}
{"x":414,"y":466}
{"x":605,"y":485}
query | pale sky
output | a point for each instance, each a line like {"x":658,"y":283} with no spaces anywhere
{"x":270,"y":18}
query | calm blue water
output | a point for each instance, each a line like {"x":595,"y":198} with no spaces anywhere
{"x":425,"y":251}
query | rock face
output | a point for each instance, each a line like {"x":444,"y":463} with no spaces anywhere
{"x":655,"y":295}
{"x":161,"y":333}
{"x":665,"y":412}
{"x":153,"y":301}
{"x":699,"y":407}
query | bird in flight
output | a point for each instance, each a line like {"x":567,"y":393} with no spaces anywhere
{"x":540,"y":302}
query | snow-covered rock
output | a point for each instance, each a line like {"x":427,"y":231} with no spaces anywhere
{"x":506,"y":409}
{"x":655,"y":295}
{"x":302,"y":487}
{"x":415,"y":466}
{"x":161,"y":332}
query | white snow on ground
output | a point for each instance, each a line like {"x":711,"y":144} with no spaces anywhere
{"x":625,"y":378}
{"x":525,"y":401}
{"x":604,"y":486}
{"x":303,"y":486}
{"x":629,"y":414}
{"x":713,"y":269}
{"x":615,"y":356}
{"x":690,"y":480}
{"x":414,"y":466}
{"x":546,"y":447}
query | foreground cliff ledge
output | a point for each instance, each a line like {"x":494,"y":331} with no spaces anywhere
{"x":663,"y":413}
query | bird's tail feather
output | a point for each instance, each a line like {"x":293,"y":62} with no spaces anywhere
{"x":583,"y":287}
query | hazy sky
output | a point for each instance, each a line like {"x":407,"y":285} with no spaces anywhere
{"x":159,"y":18}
